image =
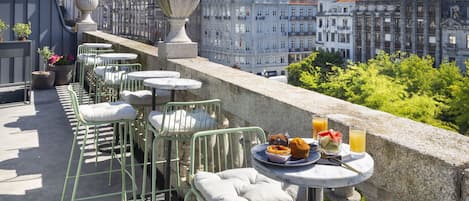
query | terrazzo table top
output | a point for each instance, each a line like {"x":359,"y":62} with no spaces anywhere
{"x":172,"y":83}
{"x":143,"y":75}
{"x":320,"y":176}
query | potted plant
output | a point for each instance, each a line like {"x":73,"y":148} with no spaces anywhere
{"x":22,"y":30}
{"x":43,"y":79}
{"x":63,"y":67}
{"x":3,"y":27}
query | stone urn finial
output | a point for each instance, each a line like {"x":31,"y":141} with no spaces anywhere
{"x":178,"y":11}
{"x":86,"y":7}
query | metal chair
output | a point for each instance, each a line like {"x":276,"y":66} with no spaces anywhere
{"x":177,"y":123}
{"x":87,"y":56}
{"x":118,"y":113}
{"x":109,"y":77}
{"x":219,"y":150}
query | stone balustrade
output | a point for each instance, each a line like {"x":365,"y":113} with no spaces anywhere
{"x":413,"y":161}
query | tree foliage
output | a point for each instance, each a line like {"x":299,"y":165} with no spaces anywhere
{"x":402,"y":84}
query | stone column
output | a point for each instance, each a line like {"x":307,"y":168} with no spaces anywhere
{"x":393,"y":33}
{"x":372,"y":35}
{"x":438,"y":35}
{"x":414,"y":27}
{"x":177,"y":43}
{"x":363,"y":37}
{"x":402,"y":25}
{"x":86,"y":23}
{"x":381,"y":30}
{"x":425,"y":28}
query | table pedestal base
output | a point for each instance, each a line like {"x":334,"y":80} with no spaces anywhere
{"x":344,"y":194}
{"x":315,"y":194}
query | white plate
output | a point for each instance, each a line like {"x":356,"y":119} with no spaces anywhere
{"x":258,"y":152}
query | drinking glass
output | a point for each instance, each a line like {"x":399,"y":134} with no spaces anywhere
{"x":357,"y":141}
{"x":318,"y":124}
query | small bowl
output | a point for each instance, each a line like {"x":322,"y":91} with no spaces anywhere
{"x":276,"y":158}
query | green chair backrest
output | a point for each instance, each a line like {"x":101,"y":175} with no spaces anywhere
{"x":191,"y":117}
{"x":75,"y":105}
{"x":218,"y":150}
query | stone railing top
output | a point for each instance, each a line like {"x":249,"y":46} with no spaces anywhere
{"x":440,"y":144}
{"x":128,"y":43}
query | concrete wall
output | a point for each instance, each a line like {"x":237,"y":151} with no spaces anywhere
{"x":413,"y":161}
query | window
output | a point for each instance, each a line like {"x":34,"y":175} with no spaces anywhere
{"x":333,"y":22}
{"x":282,"y":27}
{"x":274,"y":28}
{"x":452,"y":39}
{"x":320,"y":7}
{"x":282,"y":44}
{"x":387,"y":37}
{"x":292,"y":28}
{"x":293,"y":12}
{"x":345,"y":10}
{"x":333,"y":37}
{"x":310,"y":43}
{"x":302,"y":28}
{"x":292,"y":44}
{"x":320,"y":23}
{"x":388,"y":19}
{"x":310,"y":11}
{"x":302,"y":11}
{"x":432,"y":39}
{"x":319,"y":36}
{"x":310,"y":27}
{"x":274,"y":13}
{"x":302,"y":45}
{"x":344,"y":22}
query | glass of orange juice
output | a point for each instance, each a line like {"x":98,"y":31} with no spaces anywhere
{"x":318,"y":124}
{"x":357,"y":141}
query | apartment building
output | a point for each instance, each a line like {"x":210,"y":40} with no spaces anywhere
{"x":335,"y":27}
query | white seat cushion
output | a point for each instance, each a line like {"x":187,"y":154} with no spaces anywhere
{"x":182,"y":121}
{"x":143,"y":97}
{"x":113,"y":111}
{"x":243,"y":184}
{"x":89,"y":59}
{"x":110,"y":75}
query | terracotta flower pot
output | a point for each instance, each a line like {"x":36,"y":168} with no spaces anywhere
{"x":63,"y":73}
{"x":42,"y":79}
{"x":22,"y":38}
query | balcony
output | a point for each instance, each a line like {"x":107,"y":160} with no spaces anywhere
{"x":260,"y":17}
{"x":388,"y":134}
{"x":242,"y":17}
{"x":413,"y":161}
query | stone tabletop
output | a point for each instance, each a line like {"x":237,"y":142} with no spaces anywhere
{"x":172,"y":83}
{"x":320,"y":176}
{"x":143,"y":75}
{"x":97,"y":45}
{"x":118,"y":56}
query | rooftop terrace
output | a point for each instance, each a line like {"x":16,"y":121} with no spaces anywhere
{"x":413,"y":161}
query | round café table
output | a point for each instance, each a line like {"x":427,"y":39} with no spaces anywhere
{"x":143,"y":75}
{"x":317,"y":176}
{"x":118,"y":56}
{"x":97,"y":45}
{"x":172,"y":84}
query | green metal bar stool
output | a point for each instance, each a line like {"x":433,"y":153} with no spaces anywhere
{"x":118,"y":113}
{"x":109,"y":73}
{"x":109,"y":77}
{"x":226,"y":151}
{"x":87,"y":57}
{"x":177,"y":123}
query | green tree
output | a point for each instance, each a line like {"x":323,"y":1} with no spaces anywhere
{"x":402,"y":84}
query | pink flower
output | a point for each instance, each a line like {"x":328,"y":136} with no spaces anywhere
{"x":70,"y":58}
{"x":54,"y":58}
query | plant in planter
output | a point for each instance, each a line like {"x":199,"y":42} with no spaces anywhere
{"x":63,"y":68}
{"x":22,"y":30}
{"x":43,"y":79}
{"x":3,"y":27}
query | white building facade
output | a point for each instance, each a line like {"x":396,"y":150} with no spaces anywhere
{"x":335,"y":27}
{"x":248,"y":34}
{"x":301,"y":29}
